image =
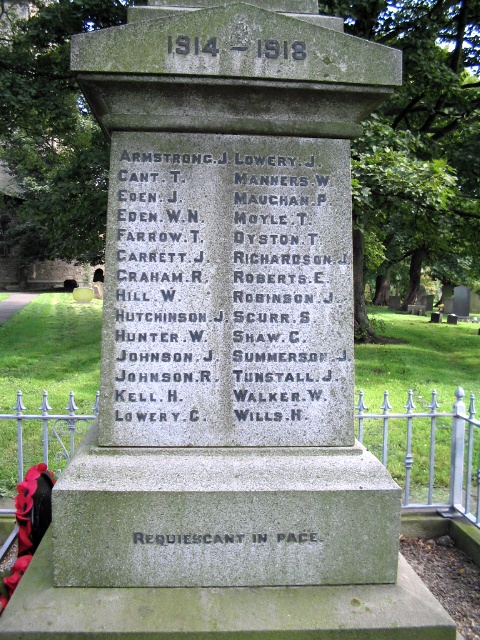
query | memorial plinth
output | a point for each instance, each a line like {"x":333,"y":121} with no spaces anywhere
{"x":228,"y":309}
{"x":224,"y":454}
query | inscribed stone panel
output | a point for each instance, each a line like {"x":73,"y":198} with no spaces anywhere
{"x":228,"y":318}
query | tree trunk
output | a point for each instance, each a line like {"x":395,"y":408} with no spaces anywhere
{"x":363,"y":332}
{"x":416,"y":261}
{"x":382,"y":290}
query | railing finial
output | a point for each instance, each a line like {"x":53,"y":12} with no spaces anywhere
{"x":386,"y":406}
{"x":45,"y":408}
{"x":459,"y":393}
{"x":361,"y":406}
{"x":96,"y":406}
{"x":409,"y":406}
{"x":471,"y":409}
{"x":433,"y":406}
{"x":19,"y":406}
{"x":72,"y":407}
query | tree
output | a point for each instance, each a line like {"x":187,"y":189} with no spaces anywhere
{"x":438,"y":103}
{"x":48,"y":137}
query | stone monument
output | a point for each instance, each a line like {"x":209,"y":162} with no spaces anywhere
{"x":224,"y":459}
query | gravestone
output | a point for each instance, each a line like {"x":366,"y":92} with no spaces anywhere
{"x":395,"y":303}
{"x":224,"y":454}
{"x":461,"y":301}
{"x":447,"y":298}
{"x":475,"y":301}
{"x":427,"y":302}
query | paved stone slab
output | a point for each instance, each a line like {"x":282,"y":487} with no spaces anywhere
{"x":404,"y":611}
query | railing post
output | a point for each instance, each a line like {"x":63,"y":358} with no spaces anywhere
{"x":45,"y":408}
{"x":386,"y":406}
{"x":408,"y":461}
{"x":433,"y":406}
{"x":72,"y":407}
{"x":469,"y":476}
{"x":19,"y":408}
{"x":361,"y":407}
{"x":457,"y":450}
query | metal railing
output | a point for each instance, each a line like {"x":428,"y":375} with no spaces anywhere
{"x":460,"y":439}
{"x":462,"y":492}
{"x":58,"y":432}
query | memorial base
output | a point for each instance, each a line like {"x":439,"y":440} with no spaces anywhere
{"x":402,"y":611}
{"x":213,"y":517}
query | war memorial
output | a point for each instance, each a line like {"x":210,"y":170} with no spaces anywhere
{"x":222,"y":494}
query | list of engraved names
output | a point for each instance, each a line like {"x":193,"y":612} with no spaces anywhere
{"x":228,"y":273}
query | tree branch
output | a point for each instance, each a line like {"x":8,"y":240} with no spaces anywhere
{"x":406,"y":110}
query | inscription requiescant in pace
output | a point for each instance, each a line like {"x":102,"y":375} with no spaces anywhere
{"x":163,"y":540}
{"x":228,"y":278}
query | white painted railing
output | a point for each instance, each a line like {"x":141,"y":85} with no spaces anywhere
{"x":59,"y":433}
{"x":463,"y":491}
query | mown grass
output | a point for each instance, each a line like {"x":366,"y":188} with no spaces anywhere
{"x":438,"y":357}
{"x":54,"y":344}
{"x":3,"y":296}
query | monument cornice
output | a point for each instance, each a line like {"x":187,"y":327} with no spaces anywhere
{"x":225,"y":105}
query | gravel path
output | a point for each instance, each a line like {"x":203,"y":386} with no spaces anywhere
{"x":451,"y":576}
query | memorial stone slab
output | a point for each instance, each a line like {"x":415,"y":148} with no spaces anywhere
{"x":461,"y":301}
{"x":394,"y":302}
{"x":231,"y":328}
{"x":447,"y":298}
{"x":447,"y":305}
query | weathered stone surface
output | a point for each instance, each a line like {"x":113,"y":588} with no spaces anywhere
{"x":403,"y":611}
{"x":233,"y":43}
{"x":461,"y":301}
{"x":136,"y":14}
{"x":215,"y":517}
{"x":295,"y":6}
{"x":237,"y":71}
{"x":228,"y":321}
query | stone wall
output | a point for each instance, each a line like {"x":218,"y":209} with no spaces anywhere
{"x":39,"y":275}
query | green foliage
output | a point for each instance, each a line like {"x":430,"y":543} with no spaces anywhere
{"x":416,"y":173}
{"x":49,"y":138}
{"x":399,"y":199}
{"x":54,"y":344}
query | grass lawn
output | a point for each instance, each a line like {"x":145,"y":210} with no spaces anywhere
{"x":53,"y":344}
{"x":430,"y":356}
{"x":3,"y":296}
